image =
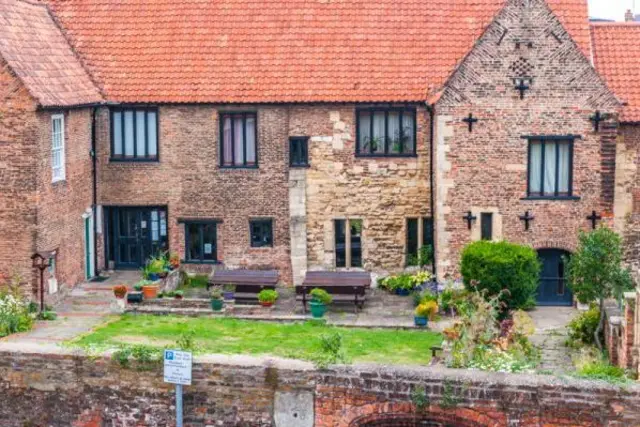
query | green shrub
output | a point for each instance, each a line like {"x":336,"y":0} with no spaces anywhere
{"x":320,"y":295}
{"x":14,"y":315}
{"x":331,"y":350}
{"x":268,"y":296}
{"x":582,"y":328}
{"x":498,"y":266}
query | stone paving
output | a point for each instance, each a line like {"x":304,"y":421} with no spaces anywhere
{"x":550,"y":337}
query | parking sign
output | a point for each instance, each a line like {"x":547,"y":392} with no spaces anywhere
{"x":177,"y":367}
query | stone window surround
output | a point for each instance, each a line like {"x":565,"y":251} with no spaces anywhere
{"x":347,"y":239}
{"x":420,"y":234}
{"x":386,"y":109}
{"x":496,"y":225}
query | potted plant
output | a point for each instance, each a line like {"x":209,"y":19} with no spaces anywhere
{"x":216,"y":298}
{"x":228,"y":291}
{"x":120,"y":291}
{"x":319,"y":301}
{"x":404,"y":285}
{"x":135,"y":297}
{"x":154,"y":268}
{"x":267,"y":297}
{"x":174,"y":261}
{"x":149,"y":289}
{"x":424,"y":312}
{"x":178,"y":294}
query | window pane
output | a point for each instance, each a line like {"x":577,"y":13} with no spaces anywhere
{"x":238,"y":135}
{"x":486,"y":226}
{"x":364,"y":130}
{"x":117,"y":134}
{"x":140,"y":134}
{"x":427,"y":232}
{"x":535,"y":158}
{"x":251,"y":139}
{"x":378,"y":132}
{"x":340,"y":236}
{"x":261,"y":233}
{"x":408,"y":132}
{"x":193,"y":238}
{"x":549,"y":168}
{"x":209,"y":242}
{"x":564,"y":165}
{"x":412,"y":241}
{"x":152,"y":130}
{"x":128,"y":133}
{"x":395,"y":143}
{"x":227,"y":147}
{"x":356,"y":242}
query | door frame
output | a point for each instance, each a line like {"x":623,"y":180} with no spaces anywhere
{"x":89,"y":244}
{"x":109,"y":236}
{"x":568,"y":300}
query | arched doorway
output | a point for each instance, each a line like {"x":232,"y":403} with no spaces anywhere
{"x":413,"y":420}
{"x":552,"y":289}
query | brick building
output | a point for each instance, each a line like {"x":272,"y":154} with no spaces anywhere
{"x":320,"y":135}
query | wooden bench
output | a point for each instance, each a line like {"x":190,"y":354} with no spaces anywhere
{"x":248,"y":283}
{"x":344,"y":286}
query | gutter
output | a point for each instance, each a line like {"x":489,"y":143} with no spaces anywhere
{"x":431,"y":110}
{"x":94,"y":159}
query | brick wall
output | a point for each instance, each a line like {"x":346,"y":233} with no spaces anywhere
{"x":55,"y":389}
{"x":627,"y":196}
{"x":486,"y":170}
{"x":189,"y":181}
{"x":61,"y":205}
{"x":18,"y":125}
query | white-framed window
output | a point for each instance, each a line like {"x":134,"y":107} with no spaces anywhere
{"x":57,"y":148}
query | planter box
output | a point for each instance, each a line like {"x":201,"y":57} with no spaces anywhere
{"x":134,"y":297}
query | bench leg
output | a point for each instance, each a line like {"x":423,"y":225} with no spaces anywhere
{"x":304,"y":302}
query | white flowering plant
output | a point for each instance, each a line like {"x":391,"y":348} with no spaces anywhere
{"x":14,"y":315}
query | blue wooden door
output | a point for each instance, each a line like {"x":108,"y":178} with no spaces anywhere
{"x":553,"y":289}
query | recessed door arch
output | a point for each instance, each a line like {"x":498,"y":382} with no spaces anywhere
{"x":552,"y":287}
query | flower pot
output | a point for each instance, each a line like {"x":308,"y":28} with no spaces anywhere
{"x":420,"y":321}
{"x":178,"y":296}
{"x":403,"y":292}
{"x":153,"y":277}
{"x":150,"y":291}
{"x":266,"y":303}
{"x":317,"y":309}
{"x":217,"y":304}
{"x":134,"y":297}
{"x":228,"y":295}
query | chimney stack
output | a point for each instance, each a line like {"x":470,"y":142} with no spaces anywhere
{"x":628,"y":16}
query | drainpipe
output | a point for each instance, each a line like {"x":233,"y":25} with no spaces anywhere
{"x":94,"y":159}
{"x":431,"y":111}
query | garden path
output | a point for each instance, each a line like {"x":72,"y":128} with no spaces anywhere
{"x":550,"y":336}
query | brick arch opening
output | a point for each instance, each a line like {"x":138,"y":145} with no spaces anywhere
{"x":414,"y":420}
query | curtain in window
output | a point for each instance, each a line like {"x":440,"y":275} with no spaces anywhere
{"x":251,"y":140}
{"x":563,"y":169}
{"x":395,"y":144}
{"x":227,"y":148}
{"x":117,"y":134}
{"x":535,"y":159}
{"x":549,"y":169}
{"x":128,"y":133}
{"x":140,"y":134}
{"x":408,"y":133}
{"x":152,"y":126}
{"x":238,"y":139}
{"x":364,"y":131}
{"x":378,"y":132}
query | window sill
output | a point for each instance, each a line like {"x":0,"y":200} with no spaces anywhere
{"x":61,"y":181}
{"x":200,"y":262}
{"x":300,"y":166}
{"x":262,"y":247}
{"x":117,"y":160}
{"x":386,"y":156}
{"x":559,"y":198}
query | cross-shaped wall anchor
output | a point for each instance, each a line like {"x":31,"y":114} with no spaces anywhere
{"x":469,"y":217}
{"x":596,"y":119}
{"x":526,"y":218}
{"x":594,"y":218}
{"x":470,"y":121}
{"x":522,"y":86}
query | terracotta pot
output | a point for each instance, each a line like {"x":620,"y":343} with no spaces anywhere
{"x":266,"y":304}
{"x":150,"y":291}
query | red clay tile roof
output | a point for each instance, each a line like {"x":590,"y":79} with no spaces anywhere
{"x":37,"y":52}
{"x":616,"y":55}
{"x":248,"y":51}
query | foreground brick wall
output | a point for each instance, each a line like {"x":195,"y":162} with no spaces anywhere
{"x":63,"y":390}
{"x":486,"y":170}
{"x":18,"y":126}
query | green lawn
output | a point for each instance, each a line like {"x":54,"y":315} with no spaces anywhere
{"x":233,"y":336}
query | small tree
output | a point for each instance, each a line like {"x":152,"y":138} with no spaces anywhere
{"x":595,"y":271}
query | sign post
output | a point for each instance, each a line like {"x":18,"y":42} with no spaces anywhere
{"x":177,"y":370}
